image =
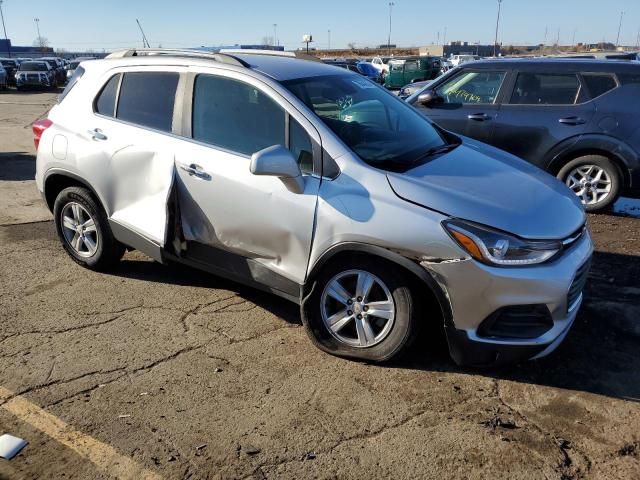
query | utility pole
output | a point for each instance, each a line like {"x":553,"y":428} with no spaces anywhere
{"x":495,"y":43}
{"x":444,"y":37}
{"x":5,"y":31}
{"x":546,"y":32}
{"x":145,"y":42}
{"x":391,"y":5}
{"x":573,"y":40}
{"x":329,"y":38}
{"x":619,"y":29}
{"x":638,"y":39}
{"x":275,"y":34}
{"x":558,"y":38}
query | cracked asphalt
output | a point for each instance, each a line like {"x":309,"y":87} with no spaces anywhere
{"x":191,"y":376}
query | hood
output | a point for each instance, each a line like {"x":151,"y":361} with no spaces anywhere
{"x":482,"y":184}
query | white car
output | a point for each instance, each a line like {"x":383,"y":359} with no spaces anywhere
{"x":460,"y":59}
{"x":381,"y":64}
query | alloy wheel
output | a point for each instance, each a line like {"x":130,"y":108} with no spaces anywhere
{"x":589,"y":182}
{"x":357,"y":308}
{"x":79,"y":229}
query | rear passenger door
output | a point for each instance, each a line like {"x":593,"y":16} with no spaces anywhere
{"x":251,"y":226}
{"x":542,"y":109}
{"x":469,"y":103}
{"x":128,"y":153}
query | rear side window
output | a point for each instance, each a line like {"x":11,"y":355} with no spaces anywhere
{"x":106,"y":102}
{"x":235,"y":115}
{"x":599,"y":84}
{"x":545,"y":89}
{"x":147,"y":99}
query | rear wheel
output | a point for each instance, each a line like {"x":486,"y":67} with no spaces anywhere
{"x":595,"y":179}
{"x":361,"y":309}
{"x":84,"y":231}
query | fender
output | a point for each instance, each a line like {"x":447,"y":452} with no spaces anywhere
{"x":424,"y":275}
{"x":626,"y":157}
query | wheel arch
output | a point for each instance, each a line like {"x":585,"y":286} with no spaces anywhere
{"x":419,"y":276}
{"x":618,"y":152}
{"x":56,"y":180}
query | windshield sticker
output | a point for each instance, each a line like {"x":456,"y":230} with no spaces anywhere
{"x":362,"y":83}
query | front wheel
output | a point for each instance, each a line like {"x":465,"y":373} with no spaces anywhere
{"x":595,"y":179}
{"x":361,"y":309}
{"x":84,"y":231}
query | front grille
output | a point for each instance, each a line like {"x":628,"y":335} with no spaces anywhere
{"x":579,"y":281}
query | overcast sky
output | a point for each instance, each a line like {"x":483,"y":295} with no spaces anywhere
{"x":110,"y":24}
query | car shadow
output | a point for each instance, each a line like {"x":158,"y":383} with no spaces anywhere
{"x":600,"y":354}
{"x":17,"y":166}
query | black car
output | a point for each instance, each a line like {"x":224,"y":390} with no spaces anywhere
{"x":577,"y":119}
{"x":58,"y":70}
{"x":10,"y":66}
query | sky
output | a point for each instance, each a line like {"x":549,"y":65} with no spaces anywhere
{"x":110,"y":24}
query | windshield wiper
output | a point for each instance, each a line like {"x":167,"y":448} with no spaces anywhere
{"x":439,"y":150}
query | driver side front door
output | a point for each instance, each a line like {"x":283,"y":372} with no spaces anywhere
{"x":469,"y":103}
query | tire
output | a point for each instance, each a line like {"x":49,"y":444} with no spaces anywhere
{"x":385,"y":342}
{"x":589,"y":174}
{"x":106,"y":251}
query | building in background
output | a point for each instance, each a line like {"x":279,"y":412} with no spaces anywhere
{"x":7,"y":48}
{"x":459,"y":48}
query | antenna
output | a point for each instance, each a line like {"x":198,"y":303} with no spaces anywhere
{"x":145,"y":42}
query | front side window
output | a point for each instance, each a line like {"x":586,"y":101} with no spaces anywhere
{"x":300,"y":146}
{"x":472,"y":88}
{"x":599,"y":84}
{"x":382,"y":130}
{"x":235,"y":116}
{"x":147,"y":99}
{"x":545,"y":89}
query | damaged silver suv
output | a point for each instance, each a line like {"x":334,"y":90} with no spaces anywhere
{"x":314,"y":183}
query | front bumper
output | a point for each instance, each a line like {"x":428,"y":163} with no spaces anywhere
{"x":476,"y":291}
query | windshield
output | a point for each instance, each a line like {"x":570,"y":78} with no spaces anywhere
{"x":33,"y":67}
{"x":382,"y":130}
{"x":8,"y":63}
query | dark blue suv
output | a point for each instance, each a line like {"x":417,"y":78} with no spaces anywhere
{"x":576,"y":119}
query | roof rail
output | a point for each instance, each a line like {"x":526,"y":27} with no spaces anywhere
{"x":176,"y":52}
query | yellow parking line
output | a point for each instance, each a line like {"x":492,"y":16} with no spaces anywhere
{"x":103,"y":456}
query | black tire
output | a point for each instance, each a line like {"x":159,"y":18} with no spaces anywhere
{"x":109,"y":251}
{"x":403,"y":331}
{"x":605,"y":164}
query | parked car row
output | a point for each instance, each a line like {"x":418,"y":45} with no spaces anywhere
{"x":29,"y":73}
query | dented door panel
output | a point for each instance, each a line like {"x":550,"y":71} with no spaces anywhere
{"x":229,"y":208}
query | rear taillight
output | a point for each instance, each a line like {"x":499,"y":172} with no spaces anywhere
{"x":38,"y":129}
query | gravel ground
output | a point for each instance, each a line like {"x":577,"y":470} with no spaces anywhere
{"x":176,"y":373}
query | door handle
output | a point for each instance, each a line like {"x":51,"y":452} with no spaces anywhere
{"x":195,"y":171}
{"x":572,"y":121}
{"x":97,"y":134}
{"x":479,"y":117}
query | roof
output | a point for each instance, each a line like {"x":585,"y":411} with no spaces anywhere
{"x":558,"y":64}
{"x":286,"y":68}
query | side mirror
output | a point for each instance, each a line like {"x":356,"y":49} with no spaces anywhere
{"x":429,"y":98}
{"x":277,"y":161}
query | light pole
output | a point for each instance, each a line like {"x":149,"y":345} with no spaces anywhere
{"x":444,"y":37}
{"x":495,"y":43}
{"x":619,"y":29}
{"x":37,"y":20}
{"x":329,"y":38}
{"x":275,"y":34}
{"x":5,"y":31}
{"x":391,"y":5}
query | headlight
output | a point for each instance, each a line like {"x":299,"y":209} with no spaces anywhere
{"x":494,"y":247}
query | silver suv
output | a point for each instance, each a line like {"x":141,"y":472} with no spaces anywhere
{"x":316,"y":184}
